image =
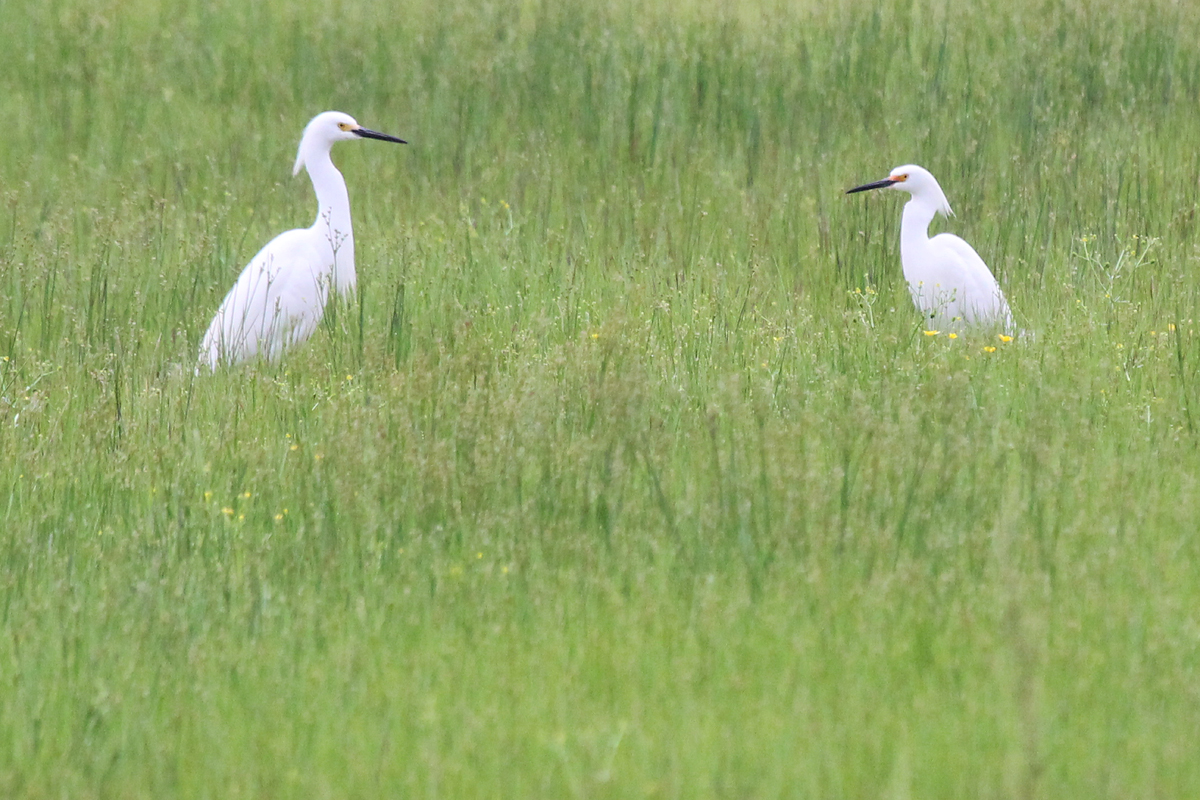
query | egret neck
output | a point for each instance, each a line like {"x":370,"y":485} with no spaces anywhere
{"x":914,"y":229}
{"x":333,"y":214}
{"x":924,"y":204}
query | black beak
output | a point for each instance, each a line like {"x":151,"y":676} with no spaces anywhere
{"x":383,"y":137}
{"x":876,"y":185}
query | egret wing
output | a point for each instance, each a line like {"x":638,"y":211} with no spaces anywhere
{"x":968,"y":289}
{"x":277,"y":301}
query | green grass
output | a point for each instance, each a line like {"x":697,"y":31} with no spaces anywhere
{"x":630,"y":472}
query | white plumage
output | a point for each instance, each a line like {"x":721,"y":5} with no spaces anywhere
{"x":949,"y":283}
{"x":280,"y":297}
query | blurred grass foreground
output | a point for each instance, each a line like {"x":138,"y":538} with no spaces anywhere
{"x":629,"y":471}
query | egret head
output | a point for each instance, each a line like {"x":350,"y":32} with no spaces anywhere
{"x":332,"y":126}
{"x":918,"y":182}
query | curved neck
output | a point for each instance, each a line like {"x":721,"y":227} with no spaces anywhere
{"x":333,"y":217}
{"x":333,"y":202}
{"x":914,"y":226}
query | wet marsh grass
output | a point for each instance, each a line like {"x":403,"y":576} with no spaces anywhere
{"x":630,"y":473}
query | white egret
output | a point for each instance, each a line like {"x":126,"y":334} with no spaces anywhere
{"x":280,"y":297}
{"x":949,"y":283}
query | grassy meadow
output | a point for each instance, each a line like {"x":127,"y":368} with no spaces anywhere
{"x":629,"y":472}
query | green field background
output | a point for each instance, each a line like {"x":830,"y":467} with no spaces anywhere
{"x":629,"y":471}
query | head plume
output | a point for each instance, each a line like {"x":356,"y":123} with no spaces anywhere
{"x":319,"y":135}
{"x":920,"y":183}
